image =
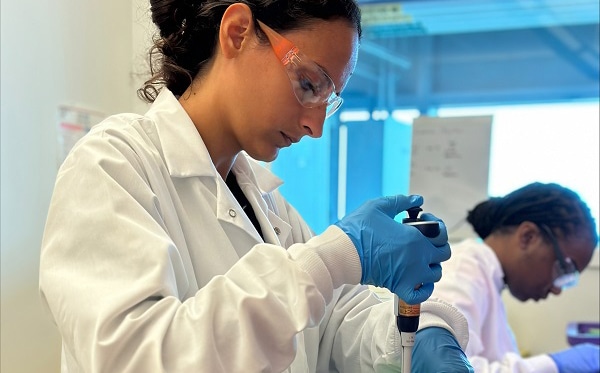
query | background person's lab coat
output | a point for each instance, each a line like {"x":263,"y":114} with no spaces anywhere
{"x":149,"y":264}
{"x":472,"y":281}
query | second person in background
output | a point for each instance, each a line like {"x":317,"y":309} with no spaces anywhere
{"x":534,"y":242}
{"x":168,"y":247}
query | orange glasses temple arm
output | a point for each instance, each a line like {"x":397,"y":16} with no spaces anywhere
{"x":281,"y":46}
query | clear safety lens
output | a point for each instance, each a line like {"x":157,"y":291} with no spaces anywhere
{"x":311,"y":85}
{"x":566,"y":275}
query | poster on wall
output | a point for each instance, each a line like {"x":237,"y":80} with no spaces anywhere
{"x":73,"y":123}
{"x":450,"y":159}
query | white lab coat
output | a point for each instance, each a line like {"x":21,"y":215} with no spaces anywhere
{"x":149,"y":264}
{"x":472,"y":281}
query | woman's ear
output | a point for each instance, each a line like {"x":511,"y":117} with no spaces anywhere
{"x":527,"y":233}
{"x":237,"y":25}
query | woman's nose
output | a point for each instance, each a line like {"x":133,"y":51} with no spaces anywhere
{"x":555,"y":290}
{"x":313,"y":121}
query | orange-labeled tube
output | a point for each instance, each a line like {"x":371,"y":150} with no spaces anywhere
{"x":408,"y":316}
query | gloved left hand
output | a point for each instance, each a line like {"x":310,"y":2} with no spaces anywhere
{"x":436,"y":350}
{"x":581,"y":358}
{"x":393,"y":255}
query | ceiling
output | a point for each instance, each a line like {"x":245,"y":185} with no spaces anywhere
{"x":434,"y":17}
{"x":430,"y":53}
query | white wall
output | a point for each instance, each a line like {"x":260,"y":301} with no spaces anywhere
{"x":53,"y":52}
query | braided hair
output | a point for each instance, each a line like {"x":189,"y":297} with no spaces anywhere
{"x":553,"y":205}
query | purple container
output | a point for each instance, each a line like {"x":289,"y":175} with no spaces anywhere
{"x":585,"y":332}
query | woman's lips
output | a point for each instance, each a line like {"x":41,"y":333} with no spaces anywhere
{"x":289,"y":140}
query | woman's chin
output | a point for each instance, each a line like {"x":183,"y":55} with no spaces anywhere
{"x":265,"y":156}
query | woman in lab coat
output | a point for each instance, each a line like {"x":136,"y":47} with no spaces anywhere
{"x":167,"y":247}
{"x":534,"y":241}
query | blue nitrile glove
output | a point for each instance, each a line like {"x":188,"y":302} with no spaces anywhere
{"x":581,"y":358}
{"x":394,"y":255}
{"x":436,"y":350}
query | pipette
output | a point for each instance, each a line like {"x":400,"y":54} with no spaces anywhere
{"x":407,"y":315}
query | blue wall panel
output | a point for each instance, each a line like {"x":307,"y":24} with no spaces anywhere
{"x":364,"y":162}
{"x":304,"y":168}
{"x":397,"y":140}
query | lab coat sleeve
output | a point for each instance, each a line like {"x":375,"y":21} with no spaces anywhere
{"x":111,"y":276}
{"x":357,"y":328}
{"x":512,"y":362}
{"x":361,"y":334}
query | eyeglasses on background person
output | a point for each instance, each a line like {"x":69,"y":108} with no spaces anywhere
{"x":565,"y":273}
{"x":311,"y":85}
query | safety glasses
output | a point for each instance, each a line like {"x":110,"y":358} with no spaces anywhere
{"x":565,"y":273}
{"x":311,"y":85}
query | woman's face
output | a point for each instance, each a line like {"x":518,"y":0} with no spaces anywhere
{"x":532,"y":275}
{"x":269,"y":115}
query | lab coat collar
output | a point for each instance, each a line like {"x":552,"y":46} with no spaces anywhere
{"x":493,"y":263}
{"x":256,"y":173}
{"x":183,"y":150}
{"x":257,"y":182}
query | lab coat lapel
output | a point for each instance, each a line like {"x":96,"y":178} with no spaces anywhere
{"x":234,"y":221}
{"x":274,"y":229}
{"x":280,"y":228}
{"x":256,"y":181}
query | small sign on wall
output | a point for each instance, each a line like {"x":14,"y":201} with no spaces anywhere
{"x":73,"y":123}
{"x":450,"y":167}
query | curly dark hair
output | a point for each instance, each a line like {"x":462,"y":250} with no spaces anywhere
{"x":188,"y":29}
{"x":552,"y":205}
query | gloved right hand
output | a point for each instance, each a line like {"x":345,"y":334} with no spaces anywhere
{"x":581,"y":358}
{"x":436,"y":350}
{"x":394,"y":255}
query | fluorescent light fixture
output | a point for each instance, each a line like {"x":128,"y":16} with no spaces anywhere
{"x":380,"y":114}
{"x":354,"y":116}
